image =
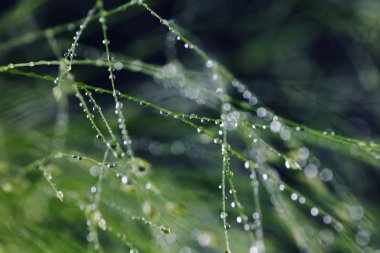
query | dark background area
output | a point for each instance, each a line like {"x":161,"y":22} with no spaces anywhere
{"x":303,"y":59}
{"x":314,"y":62}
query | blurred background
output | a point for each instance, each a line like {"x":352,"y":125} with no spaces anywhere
{"x":311,"y":62}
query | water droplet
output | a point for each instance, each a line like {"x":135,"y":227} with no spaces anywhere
{"x":223,"y":215}
{"x":77,"y":157}
{"x":164,"y":230}
{"x":219,"y":91}
{"x":253,"y":249}
{"x":327,"y":219}
{"x":362,"y":238}
{"x":118,"y":105}
{"x":275,"y":126}
{"x":217,"y":141}
{"x":227,"y":107}
{"x":48,"y":176}
{"x":314,"y":211}
{"x":124,"y":180}
{"x":164,"y":21}
{"x":356,"y":212}
{"x":164,"y":113}
{"x":143,"y":104}
{"x":291,"y":164}
{"x":311,"y":171}
{"x":261,"y":112}
{"x":326,"y":175}
{"x":116,"y":93}
{"x":102,"y":224}
{"x":285,"y":134}
{"x":256,"y":216}
{"x":60,"y":195}
{"x":111,"y":165}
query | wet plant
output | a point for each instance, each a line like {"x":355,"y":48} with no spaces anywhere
{"x":105,"y":152}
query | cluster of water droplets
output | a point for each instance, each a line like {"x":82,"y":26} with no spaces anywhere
{"x":49,"y":178}
{"x":173,"y":75}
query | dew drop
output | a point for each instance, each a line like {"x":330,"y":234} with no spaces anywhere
{"x":217,"y":141}
{"x":261,"y":112}
{"x":219,"y":91}
{"x":275,"y":126}
{"x":164,"y":22}
{"x":164,"y":230}
{"x":102,"y":224}
{"x":327,"y":219}
{"x":253,"y":249}
{"x":314,"y":211}
{"x":143,"y":104}
{"x":48,"y":176}
{"x":356,"y":212}
{"x":60,"y":195}
{"x":363,"y":238}
{"x":326,"y":175}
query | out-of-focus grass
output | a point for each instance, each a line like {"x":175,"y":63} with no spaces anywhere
{"x":313,"y":64}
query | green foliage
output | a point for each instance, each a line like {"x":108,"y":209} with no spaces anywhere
{"x":100,"y":165}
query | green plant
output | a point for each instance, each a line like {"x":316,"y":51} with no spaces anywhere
{"x":110,"y":162}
